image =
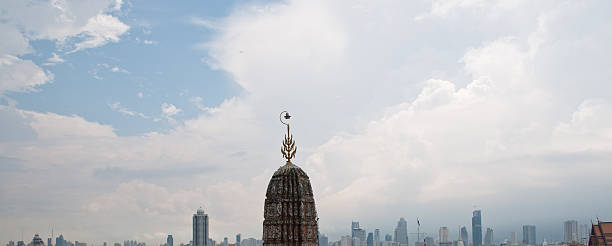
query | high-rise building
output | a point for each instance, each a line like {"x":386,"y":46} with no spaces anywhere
{"x":169,"y":241}
{"x":37,"y":241}
{"x":377,"y":237}
{"x":488,"y":240}
{"x":59,"y":241}
{"x":357,"y":232}
{"x":464,"y":236}
{"x":200,"y":228}
{"x":238,"y":239}
{"x":370,"y":239}
{"x":429,"y":241}
{"x":529,"y":234}
{"x":570,"y":231}
{"x":323,"y":240}
{"x":477,"y":228}
{"x":50,"y":242}
{"x":346,"y":241}
{"x":290,"y":216}
{"x":443,"y":235}
{"x":514,"y":238}
{"x":584,"y":233}
{"x":388,"y":238}
{"x":401,"y":232}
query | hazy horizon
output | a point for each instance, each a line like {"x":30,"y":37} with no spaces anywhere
{"x":120,"y":118}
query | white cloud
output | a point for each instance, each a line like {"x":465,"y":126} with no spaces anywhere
{"x":100,"y":30}
{"x":21,"y":75}
{"x":125,"y":111}
{"x":204,"y":23}
{"x":169,"y":110}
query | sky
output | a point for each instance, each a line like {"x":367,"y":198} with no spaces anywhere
{"x":119,"y":118}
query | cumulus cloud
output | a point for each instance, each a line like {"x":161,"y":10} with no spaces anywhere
{"x":100,"y":30}
{"x":21,"y":75}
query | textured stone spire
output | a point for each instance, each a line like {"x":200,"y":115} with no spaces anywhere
{"x":290,"y":216}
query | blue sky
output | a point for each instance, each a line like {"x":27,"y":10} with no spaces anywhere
{"x":159,"y":60}
{"x":119,"y":118}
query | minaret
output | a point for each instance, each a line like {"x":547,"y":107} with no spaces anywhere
{"x":290,"y":216}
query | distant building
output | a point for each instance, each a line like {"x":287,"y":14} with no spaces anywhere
{"x":401,"y":232}
{"x":529,"y":234}
{"x":477,"y":227}
{"x":238,"y":239}
{"x":10,"y":243}
{"x":323,"y":240}
{"x":377,"y":237}
{"x":388,"y":238}
{"x":346,"y":241}
{"x":169,"y":241}
{"x":77,"y":243}
{"x":514,"y":237}
{"x":488,"y":240}
{"x":429,"y":241}
{"x":464,"y":236}
{"x":200,"y":228}
{"x":369,"y":240}
{"x":443,"y":236}
{"x":601,"y":234}
{"x":584,"y":233}
{"x":357,"y":232}
{"x":570,"y":231}
{"x":37,"y":241}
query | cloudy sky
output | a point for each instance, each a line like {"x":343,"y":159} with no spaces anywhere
{"x":118,"y":119}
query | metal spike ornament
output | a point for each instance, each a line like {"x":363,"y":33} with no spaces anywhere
{"x":288,"y":149}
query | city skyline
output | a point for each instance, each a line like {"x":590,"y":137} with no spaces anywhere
{"x":119,"y":118}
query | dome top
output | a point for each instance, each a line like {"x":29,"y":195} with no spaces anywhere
{"x":200,"y":211}
{"x":288,"y":169}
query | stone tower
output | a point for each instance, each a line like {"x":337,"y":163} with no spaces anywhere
{"x":290,"y":216}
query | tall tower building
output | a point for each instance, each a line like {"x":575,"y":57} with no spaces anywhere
{"x":401,"y":232}
{"x":477,"y":228}
{"x":370,"y":240}
{"x":290,"y":216}
{"x":570,"y":231}
{"x":488,"y":237}
{"x":464,"y":236}
{"x":169,"y":241}
{"x":238,"y":239}
{"x":377,"y":237}
{"x":443,"y":235}
{"x":200,"y":228}
{"x":529,"y":234}
{"x":323,"y":240}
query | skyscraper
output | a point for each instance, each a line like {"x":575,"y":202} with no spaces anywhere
{"x":488,"y":237}
{"x":357,"y":232}
{"x":290,"y":216}
{"x":370,"y":240}
{"x":323,"y":240}
{"x":200,"y":228}
{"x":464,"y":236}
{"x":377,"y":237}
{"x":443,"y":235}
{"x":529,"y":234}
{"x":401,"y":232}
{"x":238,"y":239}
{"x":477,"y":228}
{"x":169,"y":241}
{"x":570,"y":231}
